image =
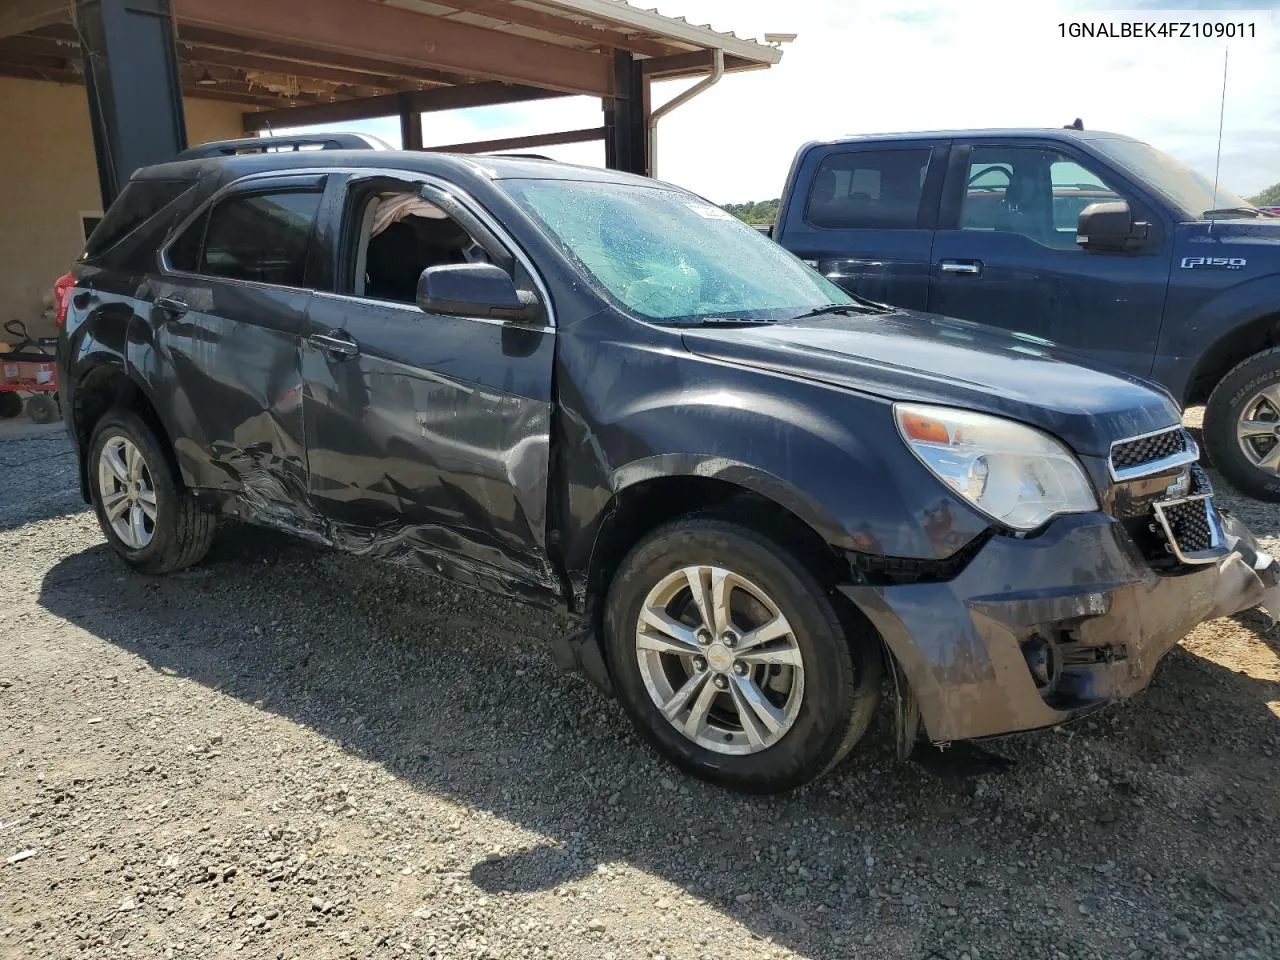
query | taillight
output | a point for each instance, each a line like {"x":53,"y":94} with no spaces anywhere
{"x":63,"y":287}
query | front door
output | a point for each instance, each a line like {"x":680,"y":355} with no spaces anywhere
{"x":867,"y":222}
{"x":1005,"y":254}
{"x":229,"y":309}
{"x":427,"y":435}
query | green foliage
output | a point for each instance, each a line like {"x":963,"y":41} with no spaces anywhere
{"x":1269,"y":197}
{"x":763,"y":211}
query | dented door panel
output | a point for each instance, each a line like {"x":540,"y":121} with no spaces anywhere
{"x":233,"y":388}
{"x":430,"y":446}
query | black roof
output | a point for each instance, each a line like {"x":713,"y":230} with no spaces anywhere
{"x":448,"y":165}
{"x":1042,"y":133}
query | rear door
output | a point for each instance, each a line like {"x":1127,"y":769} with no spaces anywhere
{"x":864,"y":215}
{"x":428,"y":435}
{"x":229,"y":309}
{"x":1005,"y":252}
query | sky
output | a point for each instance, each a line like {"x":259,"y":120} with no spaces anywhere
{"x":870,"y":66}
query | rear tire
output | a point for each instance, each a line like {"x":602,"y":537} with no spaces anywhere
{"x":150,"y":520}
{"x":1245,"y":401}
{"x":41,"y":408}
{"x":819,"y":680}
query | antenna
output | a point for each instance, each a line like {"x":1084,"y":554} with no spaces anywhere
{"x":1222,"y":113}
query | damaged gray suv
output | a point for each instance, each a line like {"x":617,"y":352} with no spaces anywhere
{"x":604,"y":395}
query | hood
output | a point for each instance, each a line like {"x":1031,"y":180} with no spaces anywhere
{"x":1242,"y":248}
{"x":913,"y":356}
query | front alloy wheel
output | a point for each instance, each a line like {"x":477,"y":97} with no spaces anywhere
{"x":720,"y":660}
{"x":1258,"y":429}
{"x":1242,"y":425}
{"x":733,"y":660}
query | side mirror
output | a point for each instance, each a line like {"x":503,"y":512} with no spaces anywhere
{"x":1109,"y":226}
{"x":475,"y":290}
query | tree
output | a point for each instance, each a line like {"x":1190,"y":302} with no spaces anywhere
{"x":763,"y":211}
{"x":1269,"y":197}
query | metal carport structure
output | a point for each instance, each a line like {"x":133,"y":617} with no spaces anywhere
{"x":326,"y":61}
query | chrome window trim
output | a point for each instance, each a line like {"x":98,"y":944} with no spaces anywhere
{"x":415,"y":309}
{"x":463,"y":197}
{"x":1189,"y":455}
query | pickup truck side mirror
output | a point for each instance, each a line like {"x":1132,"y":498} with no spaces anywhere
{"x":475,"y":290}
{"x":1109,"y":226}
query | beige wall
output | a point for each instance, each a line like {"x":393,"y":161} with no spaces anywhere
{"x":48,"y":177}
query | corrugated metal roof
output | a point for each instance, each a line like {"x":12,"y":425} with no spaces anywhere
{"x":619,"y":23}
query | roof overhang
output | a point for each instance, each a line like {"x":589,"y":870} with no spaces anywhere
{"x":276,"y":54}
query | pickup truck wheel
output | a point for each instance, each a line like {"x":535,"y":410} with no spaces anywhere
{"x":149,"y":520}
{"x":731,"y":659}
{"x":1242,"y":426}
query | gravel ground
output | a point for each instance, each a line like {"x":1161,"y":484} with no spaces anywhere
{"x":289,"y":753}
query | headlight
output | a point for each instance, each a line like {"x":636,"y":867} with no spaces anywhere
{"x":1011,"y":472}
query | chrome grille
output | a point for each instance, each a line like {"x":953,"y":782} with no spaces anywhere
{"x":1189,"y":523}
{"x":1128,"y":456}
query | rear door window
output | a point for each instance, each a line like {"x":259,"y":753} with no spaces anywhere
{"x":869,"y":189}
{"x":138,"y":202}
{"x":262,"y":237}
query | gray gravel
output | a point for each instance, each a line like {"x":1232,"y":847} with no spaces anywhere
{"x":289,"y":753}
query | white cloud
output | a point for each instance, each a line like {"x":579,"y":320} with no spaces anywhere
{"x":858,"y":67}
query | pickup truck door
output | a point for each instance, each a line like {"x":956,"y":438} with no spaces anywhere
{"x":1005,"y":253}
{"x":866,"y":218}
{"x":427,"y":435}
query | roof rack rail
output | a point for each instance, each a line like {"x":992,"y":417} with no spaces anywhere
{"x":518,"y":156}
{"x":324,"y":141}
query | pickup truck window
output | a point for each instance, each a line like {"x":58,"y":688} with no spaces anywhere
{"x":1036,"y":192}
{"x":668,"y":256}
{"x":868,"y":189}
{"x":1185,"y":188}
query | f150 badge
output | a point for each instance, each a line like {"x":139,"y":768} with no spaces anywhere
{"x":1222,"y":263}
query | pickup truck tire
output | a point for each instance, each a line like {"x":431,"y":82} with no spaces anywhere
{"x":808,"y":692}
{"x":150,"y":520}
{"x":1248,"y":395}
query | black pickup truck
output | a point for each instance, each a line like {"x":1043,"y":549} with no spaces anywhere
{"x":605,"y":395}
{"x":1094,"y":241}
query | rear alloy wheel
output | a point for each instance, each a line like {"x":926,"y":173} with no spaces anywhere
{"x":1242,"y":426}
{"x":152,"y":522}
{"x":128,"y":492}
{"x":731,"y":659}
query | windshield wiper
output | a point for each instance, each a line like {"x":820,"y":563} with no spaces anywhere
{"x":860,"y":305}
{"x":728,"y":321}
{"x":1253,"y":212}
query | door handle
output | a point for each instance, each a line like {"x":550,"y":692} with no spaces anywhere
{"x":970,"y":268}
{"x":174,"y":306}
{"x":337,"y":343}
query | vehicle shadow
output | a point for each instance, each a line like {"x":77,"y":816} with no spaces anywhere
{"x":455,"y":694}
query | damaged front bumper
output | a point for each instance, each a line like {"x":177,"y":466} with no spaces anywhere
{"x":1034,"y":632}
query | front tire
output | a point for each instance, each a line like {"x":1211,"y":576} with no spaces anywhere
{"x":1242,"y":426}
{"x":732,"y":661}
{"x":154,"y":524}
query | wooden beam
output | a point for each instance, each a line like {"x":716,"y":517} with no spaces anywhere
{"x":71,"y":78}
{"x":206,"y":57}
{"x":373,"y":30}
{"x":504,"y":10}
{"x":694,"y":64}
{"x":309,"y":58}
{"x":520,"y":143}
{"x":421,"y":101}
{"x":19,"y":16}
